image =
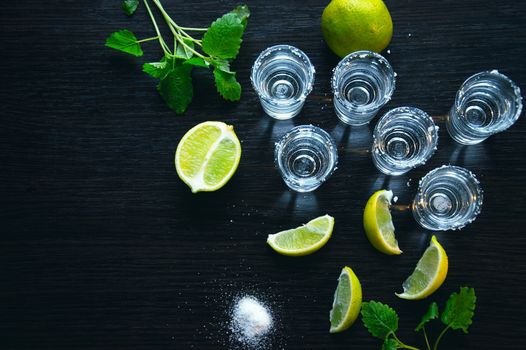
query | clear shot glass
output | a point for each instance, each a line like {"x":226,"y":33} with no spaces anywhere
{"x":305,"y":156}
{"x":486,"y":103}
{"x":362,"y":83}
{"x":448,"y":198}
{"x":282,"y":76}
{"x":403,"y":139}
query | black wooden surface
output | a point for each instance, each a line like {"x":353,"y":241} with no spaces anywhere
{"x":103,"y":247}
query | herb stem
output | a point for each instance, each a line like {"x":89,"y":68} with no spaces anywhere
{"x":194,"y":29}
{"x":165,"y":47}
{"x":147,"y":39}
{"x":440,"y":337}
{"x":403,"y":345}
{"x":427,"y":340}
{"x":174,"y":29}
{"x":180,"y":30}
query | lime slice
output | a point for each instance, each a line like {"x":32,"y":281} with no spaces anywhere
{"x":429,"y":274}
{"x":207,"y":156}
{"x":305,"y":239}
{"x":347,"y":301}
{"x":378,"y":223}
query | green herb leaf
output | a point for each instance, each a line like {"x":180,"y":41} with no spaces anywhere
{"x":129,"y":6}
{"x":223,"y":38}
{"x":222,"y":64}
{"x":156,"y":69}
{"x":176,"y":88}
{"x":197,"y":62}
{"x":242,"y":12}
{"x":460,"y":309}
{"x":379,"y":319}
{"x":430,"y":314}
{"x":182,"y":51}
{"x":390,"y":344}
{"x":227,"y":85}
{"x":124,"y":41}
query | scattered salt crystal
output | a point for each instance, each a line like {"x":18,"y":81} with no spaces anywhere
{"x":251,"y":321}
{"x":395,"y":199}
{"x":389,"y":52}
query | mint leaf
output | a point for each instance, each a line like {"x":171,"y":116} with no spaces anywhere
{"x":430,"y":314}
{"x":156,"y":69}
{"x":197,"y":62}
{"x":129,"y":6}
{"x":124,"y":41}
{"x":227,"y":85}
{"x":182,"y":51}
{"x":176,"y":88}
{"x":222,"y":64}
{"x":242,"y":12}
{"x":460,"y":309}
{"x":390,"y":344}
{"x":223,"y":38}
{"x":379,"y":319}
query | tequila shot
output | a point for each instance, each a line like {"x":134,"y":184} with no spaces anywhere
{"x":305,"y":157}
{"x":486,"y":103}
{"x":362,"y":83}
{"x":448,"y":198}
{"x":403,"y":139}
{"x":282,"y":76}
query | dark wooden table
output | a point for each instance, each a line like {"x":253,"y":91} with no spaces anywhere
{"x":103,"y":247}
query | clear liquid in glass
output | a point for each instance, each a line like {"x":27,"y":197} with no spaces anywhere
{"x":362,"y":83}
{"x":448,"y":198}
{"x":306,"y":156}
{"x":404,"y":138}
{"x":282,"y":76}
{"x":486,"y":103}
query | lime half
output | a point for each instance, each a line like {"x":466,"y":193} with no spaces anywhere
{"x":347,"y":301}
{"x":429,"y":274}
{"x":378,"y":223}
{"x":207,"y":156}
{"x":305,"y":239}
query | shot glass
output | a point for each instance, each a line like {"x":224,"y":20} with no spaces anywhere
{"x":403,"y":139}
{"x":305,"y":157}
{"x":448,"y":198}
{"x":362,"y":83}
{"x":486,"y":103}
{"x":282,"y":76}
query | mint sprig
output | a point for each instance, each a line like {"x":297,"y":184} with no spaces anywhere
{"x":219,"y":45}
{"x":382,"y":321}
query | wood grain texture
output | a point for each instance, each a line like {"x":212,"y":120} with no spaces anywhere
{"x":103,"y":247}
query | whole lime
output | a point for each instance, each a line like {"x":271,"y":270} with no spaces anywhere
{"x":352,"y":25}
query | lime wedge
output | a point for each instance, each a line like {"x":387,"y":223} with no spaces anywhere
{"x":429,"y":274}
{"x":305,"y":239}
{"x":378,"y":223}
{"x":347,"y":301}
{"x":207,"y":156}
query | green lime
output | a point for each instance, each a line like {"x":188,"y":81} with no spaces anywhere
{"x":305,"y":239}
{"x":347,"y":301}
{"x":429,"y":274}
{"x":353,"y":25}
{"x":207,"y":156}
{"x":378,"y":223}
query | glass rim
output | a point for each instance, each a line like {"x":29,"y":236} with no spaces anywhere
{"x":424,"y":181}
{"x":308,"y":86}
{"x":516,"y":89}
{"x":345,"y":61}
{"x":414,"y":112}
